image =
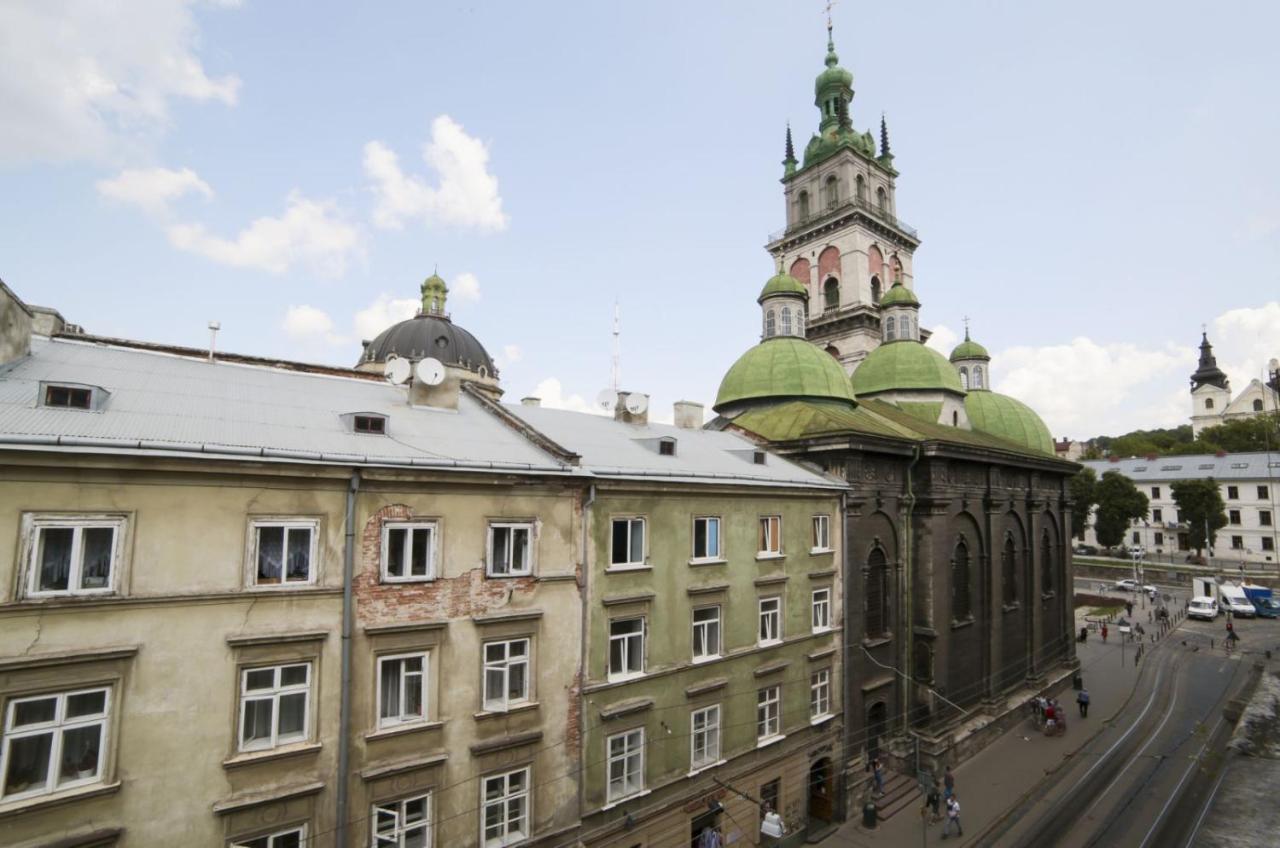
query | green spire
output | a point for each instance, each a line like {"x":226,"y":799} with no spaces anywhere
{"x":434,"y":292}
{"x":885,"y":158}
{"x":789,"y":161}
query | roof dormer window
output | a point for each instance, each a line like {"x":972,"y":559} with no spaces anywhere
{"x":71,"y":396}
{"x":667,"y":447}
{"x":758,"y":457}
{"x":369,"y":423}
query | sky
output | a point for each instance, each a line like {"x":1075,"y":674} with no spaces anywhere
{"x":1092,"y":182}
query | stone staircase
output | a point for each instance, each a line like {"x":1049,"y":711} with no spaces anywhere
{"x":900,"y":793}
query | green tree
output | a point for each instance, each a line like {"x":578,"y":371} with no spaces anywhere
{"x":1199,"y":504}
{"x":1119,"y":502}
{"x":1242,"y":434}
{"x":1082,"y":489}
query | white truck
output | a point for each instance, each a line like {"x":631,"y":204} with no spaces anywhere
{"x":1204,"y":587}
{"x":1235,"y":601}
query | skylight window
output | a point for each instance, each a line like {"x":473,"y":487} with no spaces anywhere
{"x":370,"y":424}
{"x":63,"y":396}
{"x":667,"y":447}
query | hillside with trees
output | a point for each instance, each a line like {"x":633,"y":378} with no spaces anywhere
{"x":1239,"y":436}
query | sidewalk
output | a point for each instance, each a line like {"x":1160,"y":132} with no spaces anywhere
{"x":991,"y":781}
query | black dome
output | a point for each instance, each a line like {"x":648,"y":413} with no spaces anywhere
{"x":429,"y":335}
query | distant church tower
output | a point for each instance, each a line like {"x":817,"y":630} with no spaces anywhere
{"x":1210,"y":390}
{"x":843,"y":239}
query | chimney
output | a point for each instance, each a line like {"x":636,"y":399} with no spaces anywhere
{"x":15,"y":326}
{"x":531,"y":401}
{"x":632,"y":408}
{"x":688,"y":415}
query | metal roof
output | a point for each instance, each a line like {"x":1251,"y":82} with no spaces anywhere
{"x":1233,"y":466}
{"x":168,"y":402}
{"x":616,"y":449}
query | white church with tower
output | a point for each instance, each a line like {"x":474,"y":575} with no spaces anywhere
{"x":1211,"y":400}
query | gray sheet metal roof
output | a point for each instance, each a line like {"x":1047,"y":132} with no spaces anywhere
{"x":1233,"y":466}
{"x":611,"y":448}
{"x":170,"y":402}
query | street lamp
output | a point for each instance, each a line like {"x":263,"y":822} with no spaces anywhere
{"x":1272,"y":381}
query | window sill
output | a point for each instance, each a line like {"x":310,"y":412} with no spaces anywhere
{"x":249,"y":758}
{"x":771,"y":740}
{"x":392,"y":581}
{"x":876,"y":641}
{"x":283,"y":587}
{"x":768,"y":643}
{"x":82,"y":595}
{"x":697,"y":561}
{"x":821,"y":631}
{"x":39,"y":802}
{"x":515,"y":575}
{"x":706,"y":659}
{"x":401,"y":729}
{"x":523,"y":706}
{"x":700,"y":769}
{"x":624,"y":678}
{"x":632,"y":797}
{"x":821,"y":551}
{"x":616,"y":569}
{"x":766,"y":556}
{"x":822,"y":719}
{"x":957,"y":625}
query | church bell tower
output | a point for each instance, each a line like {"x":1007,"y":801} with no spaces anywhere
{"x":843,"y":239}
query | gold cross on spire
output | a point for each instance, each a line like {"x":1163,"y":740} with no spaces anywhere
{"x":830,"y":4}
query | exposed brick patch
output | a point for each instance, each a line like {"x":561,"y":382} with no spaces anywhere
{"x":573,"y":718}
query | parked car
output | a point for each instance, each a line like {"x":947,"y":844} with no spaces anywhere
{"x":1205,"y":607}
{"x":1086,"y":550}
{"x":1267,"y":607}
{"x":1125,"y":585}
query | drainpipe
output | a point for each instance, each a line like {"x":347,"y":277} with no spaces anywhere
{"x":582,"y":648}
{"x":908,"y":560}
{"x":348,"y":614}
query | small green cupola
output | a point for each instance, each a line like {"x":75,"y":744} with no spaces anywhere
{"x":782,"y":303}
{"x":900,"y":314}
{"x":434,"y":293}
{"x":833,"y":87}
{"x":972,"y":363}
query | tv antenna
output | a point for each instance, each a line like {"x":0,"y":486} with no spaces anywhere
{"x":430,"y":371}
{"x":617,"y":346}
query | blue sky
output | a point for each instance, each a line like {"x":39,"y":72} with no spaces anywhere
{"x":1091,"y":182}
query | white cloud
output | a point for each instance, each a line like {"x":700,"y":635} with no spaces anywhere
{"x":553,"y":396}
{"x":510,"y":354}
{"x":310,"y":232}
{"x":153,"y":189}
{"x":95,"y":80}
{"x":382,"y":313}
{"x":1244,"y":340}
{"x":307,"y":323}
{"x":465,"y":287}
{"x":943,"y":339}
{"x":467,"y":194}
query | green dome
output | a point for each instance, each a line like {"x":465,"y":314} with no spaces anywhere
{"x":899,"y":295}
{"x":968,"y":349}
{"x":783,"y":367}
{"x":783,"y":283}
{"x":834,"y":76}
{"x":1010,"y":419}
{"x":905,"y":364}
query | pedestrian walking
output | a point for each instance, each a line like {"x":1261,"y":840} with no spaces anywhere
{"x":934,"y":801}
{"x":1104,"y":632}
{"x":948,"y":783}
{"x":1083,"y":701}
{"x":953,"y":818}
{"x":877,"y":773}
{"x":1128,"y":606}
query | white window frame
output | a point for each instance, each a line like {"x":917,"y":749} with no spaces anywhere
{"x":710,"y":521}
{"x":632,"y":522}
{"x":768,"y":714}
{"x":501,"y":701}
{"x":395,"y":838}
{"x":820,"y":610}
{"x":275,"y":693}
{"x":401,"y":717}
{"x":521,"y":831}
{"x":38,"y":524}
{"x":627,"y":641}
{"x":706,"y":627}
{"x":771,"y":526}
{"x":256,"y":525}
{"x":299,"y":831}
{"x":709,"y":743}
{"x":769,"y":627}
{"x":411,"y":529}
{"x":630,"y":754}
{"x":821,"y":533}
{"x":820,"y":695}
{"x":526,"y":568}
{"x":57,"y":727}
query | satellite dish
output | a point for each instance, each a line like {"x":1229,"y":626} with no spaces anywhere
{"x":396,"y":369}
{"x":607,"y":399}
{"x":637,"y":403}
{"x":430,"y":371}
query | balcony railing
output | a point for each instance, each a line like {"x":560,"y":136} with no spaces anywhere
{"x":862,"y":203}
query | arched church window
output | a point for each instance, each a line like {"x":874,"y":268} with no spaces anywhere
{"x":882,"y":199}
{"x":977,"y":376}
{"x":955,"y":418}
{"x":861,"y":187}
{"x":1009,"y":569}
{"x":1046,"y":563}
{"x":875,"y":286}
{"x":800,"y":322}
{"x":834,"y":351}
{"x":786,"y":320}
{"x":877,"y":594}
{"x":770,"y":324}
{"x":960,"y":607}
{"x":833,"y":192}
{"x":890,"y":329}
{"x":802,"y":205}
{"x":1208,"y":403}
{"x":1257,"y":405}
{"x":964,"y":378}
{"x":830,"y":294}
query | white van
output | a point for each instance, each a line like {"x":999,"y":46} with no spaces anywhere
{"x":1236,"y":601}
{"x":1203,"y":607}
